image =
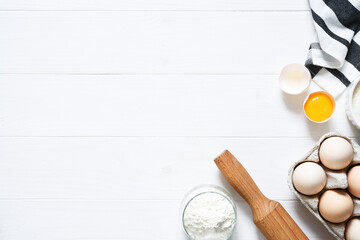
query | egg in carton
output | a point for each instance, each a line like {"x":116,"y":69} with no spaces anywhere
{"x":335,"y":179}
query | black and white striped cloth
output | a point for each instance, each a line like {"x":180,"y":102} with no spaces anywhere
{"x":334,"y":55}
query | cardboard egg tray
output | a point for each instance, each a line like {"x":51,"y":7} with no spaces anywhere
{"x":335,"y":180}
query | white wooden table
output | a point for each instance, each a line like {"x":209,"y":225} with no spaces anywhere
{"x":110,"y":111}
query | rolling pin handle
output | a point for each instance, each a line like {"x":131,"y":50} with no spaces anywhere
{"x":269,"y":216}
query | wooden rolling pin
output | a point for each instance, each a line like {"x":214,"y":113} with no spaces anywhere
{"x":268,"y":215}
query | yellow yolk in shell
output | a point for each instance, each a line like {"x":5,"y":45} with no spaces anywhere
{"x":319,"y":106}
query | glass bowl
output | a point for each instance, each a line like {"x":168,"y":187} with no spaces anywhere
{"x":202,"y":189}
{"x":352,"y":93}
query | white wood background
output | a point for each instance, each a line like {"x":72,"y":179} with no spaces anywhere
{"x":110,"y":111}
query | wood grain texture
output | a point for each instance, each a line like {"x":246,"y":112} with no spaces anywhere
{"x":269,"y":216}
{"x":110,"y":187}
{"x":161,"y":105}
{"x":214,"y":5}
{"x":110,"y":112}
{"x":110,"y":220}
{"x":153,"y":168}
{"x":171,"y":105}
{"x":241,"y":181}
{"x":152,"y":42}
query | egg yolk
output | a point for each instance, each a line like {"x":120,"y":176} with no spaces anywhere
{"x":319,"y":106}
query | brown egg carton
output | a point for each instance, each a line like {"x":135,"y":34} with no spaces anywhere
{"x":335,"y":180}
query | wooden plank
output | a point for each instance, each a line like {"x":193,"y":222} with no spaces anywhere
{"x":156,"y":105}
{"x":104,"y":220}
{"x":152,"y":42}
{"x":152,"y":5}
{"x":139,"y":168}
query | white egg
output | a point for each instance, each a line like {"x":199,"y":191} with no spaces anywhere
{"x":352,"y":231}
{"x":336,"y":206}
{"x":336,"y":153}
{"x":309,"y":178}
{"x":353,"y":177}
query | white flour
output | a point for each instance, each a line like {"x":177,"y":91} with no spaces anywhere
{"x":209,"y":216}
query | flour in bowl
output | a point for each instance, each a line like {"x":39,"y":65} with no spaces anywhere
{"x":209,"y":216}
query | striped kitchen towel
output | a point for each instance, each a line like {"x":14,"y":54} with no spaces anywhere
{"x":334,"y":55}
